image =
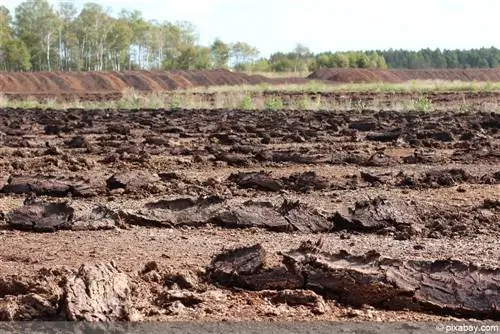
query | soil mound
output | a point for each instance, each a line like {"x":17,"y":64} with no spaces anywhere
{"x":64,"y":83}
{"x":349,"y":75}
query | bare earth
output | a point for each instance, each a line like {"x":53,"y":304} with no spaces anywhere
{"x":161,"y":193}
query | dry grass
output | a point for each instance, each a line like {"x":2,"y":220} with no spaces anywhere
{"x":281,"y":74}
{"x":322,"y":87}
{"x":248,"y":100}
{"x":3,"y":101}
{"x":257,"y":97}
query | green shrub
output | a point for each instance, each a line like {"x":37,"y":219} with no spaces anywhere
{"x":303,"y":104}
{"x":423,"y":104}
{"x":274,"y":103}
{"x":247,"y":103}
{"x":28,"y":103}
{"x":264,"y":86}
{"x":488,"y":87}
{"x":175,"y":103}
{"x":128,"y":104}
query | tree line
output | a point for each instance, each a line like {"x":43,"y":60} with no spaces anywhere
{"x":301,"y":59}
{"x":39,"y":37}
{"x":427,"y":58}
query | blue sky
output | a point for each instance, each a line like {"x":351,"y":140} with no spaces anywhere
{"x":329,"y":25}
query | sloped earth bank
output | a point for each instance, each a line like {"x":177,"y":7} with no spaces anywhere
{"x":104,"y":86}
{"x":346,"y":75}
{"x":235,"y":215}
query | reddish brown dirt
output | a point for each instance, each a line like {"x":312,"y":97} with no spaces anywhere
{"x":77,"y":83}
{"x":179,"y":187}
{"x":341,"y":75}
{"x":106,"y":86}
{"x":103,"y":86}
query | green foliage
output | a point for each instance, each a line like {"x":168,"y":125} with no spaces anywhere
{"x":274,"y":103}
{"x":339,"y":60}
{"x":362,"y":61}
{"x":190,"y":58}
{"x":303,"y":104}
{"x":220,"y":52}
{"x":129,"y":102}
{"x":246,"y":103}
{"x":323,"y":61}
{"x":199,"y":58}
{"x":242,"y":54}
{"x":367,"y":59}
{"x":314,"y":86}
{"x":264,"y":86}
{"x":283,"y":65}
{"x":261,"y":65}
{"x":5,"y":24}
{"x":28,"y":103}
{"x":427,"y":58}
{"x":16,"y":56}
{"x":118,"y":41}
{"x":489,"y":87}
{"x":37,"y":26}
{"x":175,"y":103}
{"x":90,"y":38}
{"x":227,"y":97}
{"x":423,"y":104}
{"x":301,"y":56}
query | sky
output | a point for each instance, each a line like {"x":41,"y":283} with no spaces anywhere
{"x":328,"y":25}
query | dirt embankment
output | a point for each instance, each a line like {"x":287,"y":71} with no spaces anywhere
{"x":107,"y":82}
{"x":345,"y":75}
{"x":103,"y":86}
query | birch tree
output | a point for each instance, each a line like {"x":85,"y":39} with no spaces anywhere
{"x":139,"y":28}
{"x":220,"y":53}
{"x":118,"y":42}
{"x":92,"y":27}
{"x":67,"y":40}
{"x":5,"y":33}
{"x":37,"y":25}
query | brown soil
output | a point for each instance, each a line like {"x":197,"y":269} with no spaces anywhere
{"x":109,"y":85}
{"x":128,"y":215}
{"x":104,"y":86}
{"x":343,"y":75}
